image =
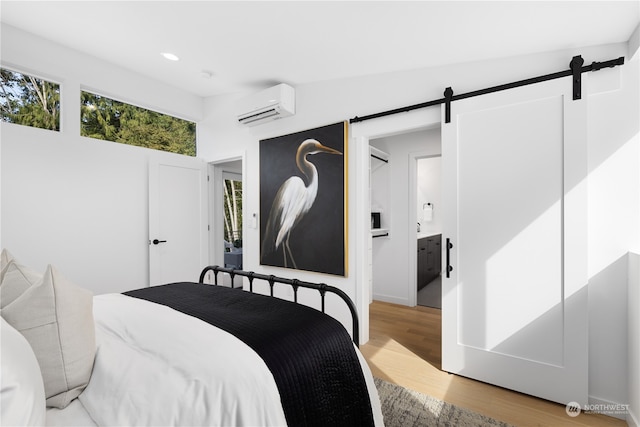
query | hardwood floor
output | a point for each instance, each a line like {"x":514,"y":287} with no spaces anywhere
{"x":404,"y":348}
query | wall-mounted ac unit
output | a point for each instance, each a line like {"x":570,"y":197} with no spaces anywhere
{"x":270,"y":104}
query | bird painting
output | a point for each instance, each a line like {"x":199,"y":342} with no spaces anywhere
{"x":293,"y":200}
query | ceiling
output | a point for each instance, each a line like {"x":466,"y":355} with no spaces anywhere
{"x":242,"y":46}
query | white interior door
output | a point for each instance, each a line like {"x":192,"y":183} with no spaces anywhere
{"x":177,"y":220}
{"x":514,"y":188}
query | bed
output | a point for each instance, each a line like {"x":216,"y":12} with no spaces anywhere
{"x":186,"y":354}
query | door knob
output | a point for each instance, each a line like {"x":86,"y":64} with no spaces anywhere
{"x":156,"y":241}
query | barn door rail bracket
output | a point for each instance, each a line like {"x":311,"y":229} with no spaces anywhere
{"x":575,"y":71}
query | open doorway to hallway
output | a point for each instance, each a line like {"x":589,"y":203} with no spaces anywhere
{"x":232,"y":211}
{"x":226,"y":188}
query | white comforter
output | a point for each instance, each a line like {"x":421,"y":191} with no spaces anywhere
{"x":157,"y":366}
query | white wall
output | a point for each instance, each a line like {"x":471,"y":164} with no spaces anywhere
{"x":633,"y":333}
{"x":393,"y":270}
{"x":79,"y":203}
{"x":614,"y":225}
{"x":429,"y":183}
{"x":633,"y":308}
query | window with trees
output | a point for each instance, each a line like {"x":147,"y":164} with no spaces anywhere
{"x":29,"y":101}
{"x":111,"y":120}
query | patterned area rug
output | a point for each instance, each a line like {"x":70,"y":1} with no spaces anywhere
{"x":402,"y":407}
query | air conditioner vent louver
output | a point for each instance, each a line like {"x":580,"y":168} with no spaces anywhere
{"x":263,"y":115}
{"x":270,"y":104}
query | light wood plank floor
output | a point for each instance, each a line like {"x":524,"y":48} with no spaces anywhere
{"x":404,"y":348}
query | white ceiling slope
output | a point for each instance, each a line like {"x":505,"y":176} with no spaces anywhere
{"x":248,"y":45}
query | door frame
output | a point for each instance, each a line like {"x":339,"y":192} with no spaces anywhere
{"x":406,"y":122}
{"x":153,"y":194}
{"x":413,"y":217}
{"x":216,"y":235}
{"x":361,"y":134}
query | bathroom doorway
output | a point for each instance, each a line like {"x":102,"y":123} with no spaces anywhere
{"x":394,"y":190}
{"x":429,"y":226}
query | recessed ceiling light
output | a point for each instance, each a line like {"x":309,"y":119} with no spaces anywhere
{"x":170,"y":56}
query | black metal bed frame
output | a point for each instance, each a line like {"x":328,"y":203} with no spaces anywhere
{"x":322,"y":288}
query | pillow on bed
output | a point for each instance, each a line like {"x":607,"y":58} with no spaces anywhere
{"x":22,"y":392}
{"x":56,"y":318}
{"x":5,"y":257}
{"x":15,"y":279}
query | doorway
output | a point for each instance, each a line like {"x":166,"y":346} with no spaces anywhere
{"x":177,"y":246}
{"x":496,"y":329}
{"x":226,"y":216}
{"x":232,"y":212}
{"x":394,"y":198}
{"x":429,"y":215}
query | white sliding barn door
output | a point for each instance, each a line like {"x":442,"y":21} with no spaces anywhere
{"x":515,"y":304}
{"x":177,"y":220}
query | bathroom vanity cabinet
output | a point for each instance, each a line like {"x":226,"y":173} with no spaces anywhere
{"x":429,"y":259}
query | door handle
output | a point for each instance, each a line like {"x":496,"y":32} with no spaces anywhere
{"x":448,"y":268}
{"x":156,"y":241}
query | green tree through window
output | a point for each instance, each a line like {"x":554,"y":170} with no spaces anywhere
{"x":29,"y":101}
{"x":233,"y":212}
{"x":111,"y":120}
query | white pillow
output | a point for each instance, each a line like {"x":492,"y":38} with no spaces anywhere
{"x":56,"y":318}
{"x":15,"y":279}
{"x":21,"y":389}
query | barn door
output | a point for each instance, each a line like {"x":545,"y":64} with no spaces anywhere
{"x":178,"y":239}
{"x":515,"y":300}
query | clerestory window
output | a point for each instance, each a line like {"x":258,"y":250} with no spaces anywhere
{"x":112,"y":120}
{"x":28,"y":100}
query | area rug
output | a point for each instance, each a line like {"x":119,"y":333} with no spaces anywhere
{"x":402,"y":407}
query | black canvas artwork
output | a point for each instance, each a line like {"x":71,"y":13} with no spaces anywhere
{"x":302,"y":200}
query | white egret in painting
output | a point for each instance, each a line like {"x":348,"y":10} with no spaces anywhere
{"x":293,"y":200}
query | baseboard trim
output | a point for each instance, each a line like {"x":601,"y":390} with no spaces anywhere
{"x":616,"y":409}
{"x":391,"y":299}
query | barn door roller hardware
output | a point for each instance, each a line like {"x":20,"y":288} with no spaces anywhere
{"x":448,"y":95}
{"x":575,"y":71}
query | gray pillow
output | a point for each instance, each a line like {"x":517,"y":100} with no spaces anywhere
{"x":56,"y":318}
